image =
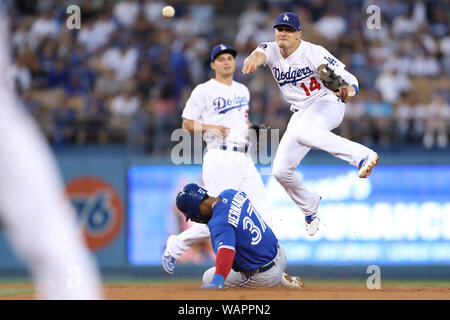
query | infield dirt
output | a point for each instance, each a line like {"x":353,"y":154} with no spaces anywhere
{"x":193,"y":292}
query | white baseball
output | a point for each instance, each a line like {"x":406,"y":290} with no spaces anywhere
{"x":168,"y":12}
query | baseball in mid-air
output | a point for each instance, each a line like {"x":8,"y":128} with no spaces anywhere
{"x":168,"y":12}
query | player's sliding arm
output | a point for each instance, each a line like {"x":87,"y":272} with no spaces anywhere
{"x":253,"y":61}
{"x":224,"y":262}
{"x":198,"y":127}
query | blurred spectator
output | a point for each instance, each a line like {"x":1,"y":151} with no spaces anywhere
{"x":409,"y":22}
{"x":122,"y":60}
{"x":381,"y":114}
{"x":437,"y":123}
{"x":58,"y":76}
{"x":92,"y":119}
{"x":21,"y":76}
{"x":140,"y":130}
{"x":152,"y":10}
{"x":106,"y":82}
{"x":64,"y":120}
{"x":391,"y":85}
{"x":44,"y":26}
{"x":331,"y":26}
{"x":126,"y":12}
{"x":122,"y":109}
{"x":253,"y":15}
{"x":163,"y":111}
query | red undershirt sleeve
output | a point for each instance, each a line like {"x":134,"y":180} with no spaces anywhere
{"x":224,"y":261}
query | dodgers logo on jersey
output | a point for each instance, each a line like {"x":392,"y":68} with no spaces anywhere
{"x":99,"y":210}
{"x":223,"y":105}
{"x":331,"y":61}
{"x":291,"y":75}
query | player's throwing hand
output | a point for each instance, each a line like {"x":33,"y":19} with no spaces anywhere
{"x":252,"y":62}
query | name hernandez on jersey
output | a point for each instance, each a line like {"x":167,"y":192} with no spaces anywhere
{"x":215,"y":103}
{"x":297,"y":75}
{"x":238,"y":226}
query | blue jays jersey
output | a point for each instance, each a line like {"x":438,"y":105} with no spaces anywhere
{"x":235,"y":224}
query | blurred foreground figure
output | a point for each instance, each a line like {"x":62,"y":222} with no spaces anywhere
{"x":38,"y":218}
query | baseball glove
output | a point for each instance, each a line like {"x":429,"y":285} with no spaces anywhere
{"x":334,"y":82}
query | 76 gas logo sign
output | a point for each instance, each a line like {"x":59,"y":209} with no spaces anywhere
{"x":99,"y":210}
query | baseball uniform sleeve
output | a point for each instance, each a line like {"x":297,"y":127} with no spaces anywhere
{"x":267,"y":48}
{"x":224,"y":261}
{"x":224,"y":236}
{"x":195,"y":105}
{"x":320,"y":55}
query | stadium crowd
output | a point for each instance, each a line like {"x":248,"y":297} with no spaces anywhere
{"x":125,"y":75}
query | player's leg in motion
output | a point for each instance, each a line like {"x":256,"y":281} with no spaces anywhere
{"x":39,"y":220}
{"x":218,"y":175}
{"x":313,"y":129}
{"x":288,"y":157}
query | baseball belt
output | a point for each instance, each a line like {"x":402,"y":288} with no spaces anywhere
{"x":243,"y":149}
{"x":262,"y":269}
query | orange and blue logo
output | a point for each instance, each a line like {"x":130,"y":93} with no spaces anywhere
{"x":99,"y":210}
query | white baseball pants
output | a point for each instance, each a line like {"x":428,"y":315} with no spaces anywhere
{"x":223,"y":169}
{"x":311,"y":128}
{"x":38,"y":219}
{"x":269,"y":278}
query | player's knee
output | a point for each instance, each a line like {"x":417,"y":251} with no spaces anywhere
{"x":282,"y":175}
{"x":305,"y":134}
{"x":208,"y":275}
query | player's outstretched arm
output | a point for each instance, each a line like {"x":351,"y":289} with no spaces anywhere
{"x":253,"y":61}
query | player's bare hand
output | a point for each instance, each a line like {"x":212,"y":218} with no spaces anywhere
{"x":219,"y":131}
{"x":250,"y":65}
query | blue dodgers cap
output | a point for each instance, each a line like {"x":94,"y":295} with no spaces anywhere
{"x":288,"y":19}
{"x":188,"y":201}
{"x":220,"y":49}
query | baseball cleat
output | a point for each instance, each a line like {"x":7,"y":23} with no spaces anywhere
{"x":291,"y":282}
{"x":366,"y":165}
{"x":312,"y":222}
{"x":168,"y":263}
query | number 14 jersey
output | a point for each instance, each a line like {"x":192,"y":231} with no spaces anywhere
{"x":297,"y":75}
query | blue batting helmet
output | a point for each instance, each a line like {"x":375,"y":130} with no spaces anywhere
{"x":189,"y":199}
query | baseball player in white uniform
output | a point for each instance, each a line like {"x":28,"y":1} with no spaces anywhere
{"x":218,"y":109}
{"x":37,"y":217}
{"x":297,"y":66}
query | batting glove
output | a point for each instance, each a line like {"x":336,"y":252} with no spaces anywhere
{"x":217,"y":283}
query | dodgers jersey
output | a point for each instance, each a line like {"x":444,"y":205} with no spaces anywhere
{"x":216,"y":103}
{"x":235,"y":224}
{"x":297,"y":75}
